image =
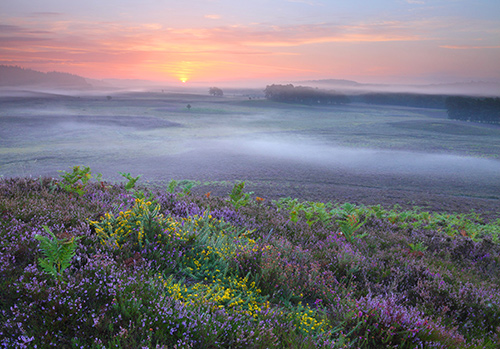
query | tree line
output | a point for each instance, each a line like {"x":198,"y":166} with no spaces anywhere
{"x":303,"y":95}
{"x":17,"y":76}
{"x":413,"y":100}
{"x":476,"y":109}
{"x":485,"y":110}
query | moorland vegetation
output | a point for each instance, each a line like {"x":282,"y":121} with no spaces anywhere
{"x":87,"y":263}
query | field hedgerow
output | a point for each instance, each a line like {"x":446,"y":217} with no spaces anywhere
{"x":157,"y":269}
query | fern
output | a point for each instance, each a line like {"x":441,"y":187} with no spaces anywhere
{"x":58,"y":253}
{"x":238,"y":197}
{"x":76,"y":181}
{"x":131,"y":180}
{"x":186,"y":186}
{"x":172,"y":185}
{"x":350,"y":226}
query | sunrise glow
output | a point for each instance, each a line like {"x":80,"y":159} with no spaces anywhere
{"x":382,"y":40}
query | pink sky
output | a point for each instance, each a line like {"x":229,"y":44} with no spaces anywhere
{"x":220,"y":40}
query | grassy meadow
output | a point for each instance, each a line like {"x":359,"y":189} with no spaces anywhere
{"x":245,"y":223}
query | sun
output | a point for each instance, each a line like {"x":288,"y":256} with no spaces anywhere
{"x":183,"y":80}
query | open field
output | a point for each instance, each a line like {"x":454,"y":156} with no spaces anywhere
{"x":358,"y":153}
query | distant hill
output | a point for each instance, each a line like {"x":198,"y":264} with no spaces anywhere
{"x":337,"y":82}
{"x":14,"y":76}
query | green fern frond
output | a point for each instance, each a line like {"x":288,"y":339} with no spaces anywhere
{"x":48,"y":247}
{"x":47,"y":267}
{"x":58,"y":253}
{"x":67,"y":252}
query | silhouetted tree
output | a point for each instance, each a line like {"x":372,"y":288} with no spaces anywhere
{"x":215,"y":91}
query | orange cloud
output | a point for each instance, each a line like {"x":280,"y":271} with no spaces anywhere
{"x":155,"y":51}
{"x":467,"y":47}
{"x":289,"y":36}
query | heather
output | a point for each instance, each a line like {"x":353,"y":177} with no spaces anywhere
{"x":88,"y":263}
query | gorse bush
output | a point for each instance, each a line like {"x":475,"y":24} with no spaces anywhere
{"x":119,"y":267}
{"x":139,"y":224}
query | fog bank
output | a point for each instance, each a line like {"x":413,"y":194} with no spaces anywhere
{"x":308,"y":152}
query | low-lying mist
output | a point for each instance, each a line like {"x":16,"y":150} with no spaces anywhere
{"x":308,"y":152}
{"x":325,"y":152}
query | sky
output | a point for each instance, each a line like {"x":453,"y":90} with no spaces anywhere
{"x":370,"y":41}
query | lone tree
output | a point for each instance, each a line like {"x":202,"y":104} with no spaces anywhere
{"x":215,"y":91}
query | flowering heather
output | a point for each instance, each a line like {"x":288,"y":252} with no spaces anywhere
{"x":158,"y":269}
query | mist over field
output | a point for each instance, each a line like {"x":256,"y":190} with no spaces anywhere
{"x":357,"y":151}
{"x":309,"y":152}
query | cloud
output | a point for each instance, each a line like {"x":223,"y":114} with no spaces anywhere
{"x":467,"y":47}
{"x":287,"y":36}
{"x":78,"y":35}
{"x":307,"y":2}
{"x":17,"y":36}
{"x":124,"y":46}
{"x":19,"y":40}
{"x":46,"y":14}
{"x":212,"y":16}
{"x":7,"y":28}
{"x":120,"y":48}
{"x":418,"y":2}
